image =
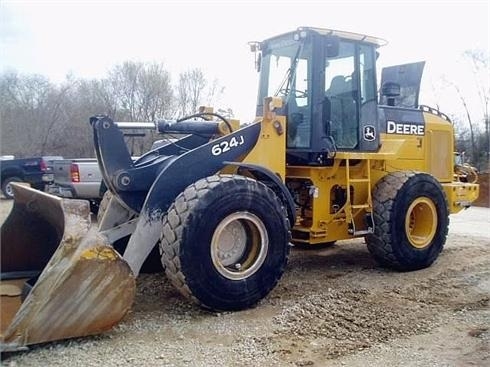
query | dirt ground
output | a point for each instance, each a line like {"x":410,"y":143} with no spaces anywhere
{"x":333,"y":307}
{"x":484,"y":197}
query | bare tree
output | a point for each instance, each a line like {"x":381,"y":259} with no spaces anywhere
{"x":143,"y":93}
{"x":42,"y":118}
{"x":31,"y":111}
{"x":90,"y":97}
{"x":154,"y":94}
{"x":215,"y":91}
{"x":190,"y":91}
{"x":470,"y":121}
{"x":480,"y":62}
{"x":124,"y":80}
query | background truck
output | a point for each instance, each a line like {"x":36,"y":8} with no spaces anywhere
{"x":36,"y":172}
{"x":77,"y":179}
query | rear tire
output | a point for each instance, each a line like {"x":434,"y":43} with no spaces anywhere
{"x":411,"y":221}
{"x":7,"y":187}
{"x":225,"y":242}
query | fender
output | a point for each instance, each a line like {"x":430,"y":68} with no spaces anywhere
{"x":274,"y":182}
{"x":198,"y":163}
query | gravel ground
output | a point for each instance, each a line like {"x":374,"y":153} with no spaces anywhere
{"x":333,"y":307}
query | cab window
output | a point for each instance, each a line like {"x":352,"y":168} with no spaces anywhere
{"x":340,"y":87}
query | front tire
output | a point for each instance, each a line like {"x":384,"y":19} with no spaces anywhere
{"x":411,"y":221}
{"x":7,"y":187}
{"x":225,"y":242}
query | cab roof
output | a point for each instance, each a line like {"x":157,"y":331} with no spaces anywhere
{"x":341,"y":34}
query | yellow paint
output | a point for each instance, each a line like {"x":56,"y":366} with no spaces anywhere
{"x":224,"y":129}
{"x":99,"y":253}
{"x":322,"y":224}
{"x":270,"y":150}
{"x":321,"y":218}
{"x":460,"y":195}
{"x":421,"y":222}
{"x":439,"y":154}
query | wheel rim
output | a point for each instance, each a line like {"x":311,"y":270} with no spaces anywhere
{"x":421,"y":222}
{"x":8,"y":190}
{"x":239,"y":245}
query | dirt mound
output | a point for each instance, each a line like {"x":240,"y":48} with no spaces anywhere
{"x":484,"y":198}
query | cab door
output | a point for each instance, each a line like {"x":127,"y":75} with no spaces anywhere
{"x":350,"y":92}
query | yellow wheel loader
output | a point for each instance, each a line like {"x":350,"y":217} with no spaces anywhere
{"x":328,"y":158}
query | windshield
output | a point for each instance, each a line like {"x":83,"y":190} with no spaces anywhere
{"x":285,"y":70}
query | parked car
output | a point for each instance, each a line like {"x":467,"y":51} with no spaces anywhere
{"x":36,"y":172}
{"x":77,"y":179}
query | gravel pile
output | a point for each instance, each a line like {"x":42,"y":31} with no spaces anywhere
{"x":333,"y":307}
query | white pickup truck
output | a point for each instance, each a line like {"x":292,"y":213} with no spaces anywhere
{"x":81,"y":178}
{"x":77,"y":179}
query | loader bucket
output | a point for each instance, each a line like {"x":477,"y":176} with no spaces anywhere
{"x":84,"y":287}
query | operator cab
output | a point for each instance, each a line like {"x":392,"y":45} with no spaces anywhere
{"x":327,"y":80}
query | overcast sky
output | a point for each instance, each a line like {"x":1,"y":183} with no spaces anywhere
{"x":87,"y":38}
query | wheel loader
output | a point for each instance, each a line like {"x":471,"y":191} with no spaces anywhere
{"x":332,"y":155}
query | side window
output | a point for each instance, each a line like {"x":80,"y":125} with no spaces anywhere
{"x":279,"y":67}
{"x":367,"y":74}
{"x":299,"y":122}
{"x":299,"y":103}
{"x":301,"y":80}
{"x":368,"y":97}
{"x":293,"y":86}
{"x":341,"y":101}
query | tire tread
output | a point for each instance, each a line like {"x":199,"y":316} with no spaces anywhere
{"x":175,"y":221}
{"x":380,"y":244}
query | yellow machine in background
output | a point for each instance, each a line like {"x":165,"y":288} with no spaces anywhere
{"x":328,"y":158}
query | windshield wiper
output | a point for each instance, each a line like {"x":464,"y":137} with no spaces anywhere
{"x":290,"y":74}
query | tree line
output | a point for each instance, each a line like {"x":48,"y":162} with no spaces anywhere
{"x":39,"y":117}
{"x":472,"y":127}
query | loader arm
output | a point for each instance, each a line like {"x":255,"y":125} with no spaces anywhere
{"x":132,"y":180}
{"x":174,"y":177}
{"x":150,"y":185}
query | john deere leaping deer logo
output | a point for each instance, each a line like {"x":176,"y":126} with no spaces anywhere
{"x":369,"y":133}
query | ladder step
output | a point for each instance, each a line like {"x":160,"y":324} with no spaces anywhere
{"x":359,"y":180}
{"x":362,"y":233}
{"x":360,"y":206}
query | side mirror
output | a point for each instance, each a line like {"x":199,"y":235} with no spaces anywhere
{"x":258,"y":62}
{"x":331,"y":46}
{"x":255,"y":48}
{"x":390,"y":90}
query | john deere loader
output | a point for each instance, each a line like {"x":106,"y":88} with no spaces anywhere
{"x":328,"y":158}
